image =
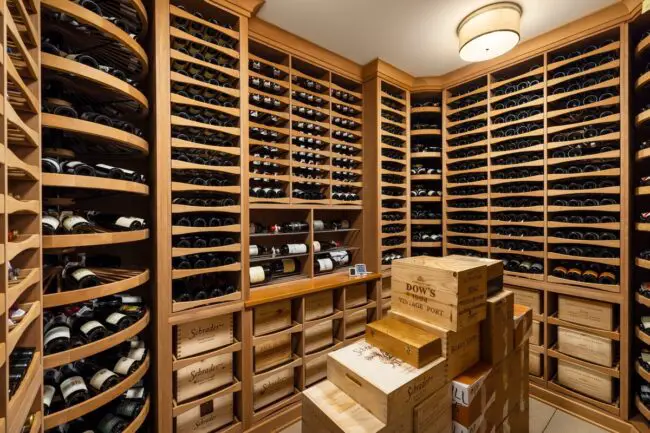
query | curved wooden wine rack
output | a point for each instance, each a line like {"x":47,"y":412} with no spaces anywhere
{"x":106,"y":289}
{"x":87,"y":350}
{"x":20,"y":403}
{"x":643,"y":409}
{"x":92,"y":239}
{"x":139,"y":420}
{"x":97,"y":401}
{"x":89,"y":182}
{"x":95,"y":131}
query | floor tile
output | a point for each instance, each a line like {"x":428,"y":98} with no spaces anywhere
{"x":540,"y":415}
{"x":562,"y":422}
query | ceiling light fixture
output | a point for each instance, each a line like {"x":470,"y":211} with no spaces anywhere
{"x":489,"y":32}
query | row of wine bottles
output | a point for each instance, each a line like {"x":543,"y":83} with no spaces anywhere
{"x":299,"y":227}
{"x":79,"y":168}
{"x":201,"y":287}
{"x":586,"y":272}
{"x":79,"y":222}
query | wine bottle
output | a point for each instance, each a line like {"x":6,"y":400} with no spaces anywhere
{"x":259,"y":274}
{"x":116,"y":321}
{"x":75,"y":224}
{"x":117,"y":222}
{"x":57,"y":333}
{"x":294,"y":249}
{"x":76,"y":276}
{"x":100,"y":379}
{"x":50,"y":224}
{"x":111,"y":424}
{"x":324,"y":264}
{"x":73,"y":386}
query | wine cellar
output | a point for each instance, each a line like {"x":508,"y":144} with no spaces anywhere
{"x":202,"y":207}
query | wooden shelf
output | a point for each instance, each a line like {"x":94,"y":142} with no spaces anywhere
{"x":90,"y":349}
{"x":33,"y":311}
{"x":182,"y":273}
{"x":605,"y":287}
{"x":612,"y":335}
{"x":417,"y":110}
{"x":85,"y":240}
{"x":426,"y":244}
{"x":606,"y":261}
{"x":21,"y":402}
{"x":89,"y":182}
{"x":21,"y":244}
{"x":643,"y":300}
{"x":99,"y":400}
{"x":28,"y":277}
{"x":139,"y":420}
{"x":642,"y":408}
{"x":608,"y":371}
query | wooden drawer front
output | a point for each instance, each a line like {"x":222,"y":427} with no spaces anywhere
{"x":203,"y":377}
{"x":273,"y":388}
{"x":319,"y":336}
{"x":582,"y":345}
{"x":599,"y":315}
{"x":207,"y":417}
{"x":592,"y":384}
{"x":319,"y":305}
{"x":355,"y":323}
{"x":316,"y":370}
{"x":536,"y":367}
{"x":273,"y":352}
{"x":529,"y":298}
{"x":203,"y":335}
{"x":271,"y":317}
{"x":355,"y":296}
{"x":536,"y":335}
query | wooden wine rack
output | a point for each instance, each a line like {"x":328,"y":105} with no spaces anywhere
{"x":95,"y":143}
{"x":514,"y":132}
{"x":21,"y":197}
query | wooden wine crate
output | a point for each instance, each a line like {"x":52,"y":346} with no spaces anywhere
{"x":596,"y":314}
{"x":271,"y":317}
{"x":273,"y":352}
{"x":203,"y":377}
{"x":409,"y":343}
{"x":433,"y":415}
{"x":536,"y":364}
{"x":446,"y":292}
{"x":355,"y":323}
{"x":355,"y":295}
{"x":529,"y":298}
{"x":319,"y":336}
{"x":385,"y":386}
{"x":585,"y":346}
{"x":207,"y":417}
{"x":536,"y":333}
{"x":203,"y":335}
{"x":494,"y":272}
{"x":320,"y":304}
{"x":590,"y":383}
{"x":523,"y":321}
{"x":461,"y":349}
{"x":498,"y":327}
{"x":273,"y":388}
{"x":315,"y":370}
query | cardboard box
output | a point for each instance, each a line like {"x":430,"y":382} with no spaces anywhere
{"x":319,"y":304}
{"x":203,"y":335}
{"x":537,"y":334}
{"x":536,"y":364}
{"x":472,"y":393}
{"x":356,"y":295}
{"x":272,"y":352}
{"x":433,"y":415}
{"x":446,"y":292}
{"x":355,"y":323}
{"x":206,"y":417}
{"x":596,"y":314}
{"x":409,"y":343}
{"x":511,"y":385}
{"x":585,"y":346}
{"x":461,"y":349}
{"x":328,"y":409}
{"x":530,"y":298}
{"x":271,"y":317}
{"x":319,"y":336}
{"x":497,"y":328}
{"x":271,"y":388}
{"x":590,"y":383}
{"x":315,"y":370}
{"x":494,"y":272}
{"x":517,"y":421}
{"x":203,"y":377}
{"x":523,"y":321}
{"x":385,"y":386}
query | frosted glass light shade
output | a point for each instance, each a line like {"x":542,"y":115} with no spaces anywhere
{"x":489,"y":32}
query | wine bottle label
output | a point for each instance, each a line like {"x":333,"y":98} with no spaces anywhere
{"x":136,"y":344}
{"x":51,"y":222}
{"x":72,"y":385}
{"x":87,"y":327}
{"x":297,"y":248}
{"x":137,"y":353}
{"x":82,"y":273}
{"x":73,"y":164}
{"x":316,"y":246}
{"x":72,"y":221}
{"x":325,"y":264}
{"x":645,"y":356}
{"x":134,"y":394}
{"x":54,"y":333}
{"x":256,"y":274}
{"x":99,"y":378}
{"x":131,"y":299}
{"x":319,"y":225}
{"x":48,"y":395}
{"x":56,"y":164}
{"x":288,"y":266}
{"x":114,"y":318}
{"x":123,"y":365}
{"x":253,"y":250}
{"x":108,"y":423}
{"x":124,"y":222}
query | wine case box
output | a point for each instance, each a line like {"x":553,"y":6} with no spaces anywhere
{"x":318,"y":305}
{"x":494,"y":272}
{"x":355,"y":295}
{"x":523,"y":322}
{"x":446,"y":292}
{"x":385,"y":386}
{"x":271,"y":317}
{"x":498,"y":327}
{"x":536,"y":336}
{"x":273,"y":352}
{"x":536,"y":364}
{"x":433,"y":415}
{"x":203,"y":335}
{"x":207,"y":417}
{"x":461,"y":349}
{"x":315,"y":370}
{"x":273,"y":388}
{"x":596,"y":314}
{"x":590,"y":383}
{"x":319,"y":336}
{"x":355,"y":323}
{"x":585,"y":346}
{"x":409,"y":343}
{"x":529,"y":298}
{"x":203,"y":377}
{"x":472,"y":393}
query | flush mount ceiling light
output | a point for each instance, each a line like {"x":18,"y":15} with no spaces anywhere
{"x":489,"y":32}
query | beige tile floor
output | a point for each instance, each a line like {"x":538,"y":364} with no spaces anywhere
{"x":543,"y":419}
